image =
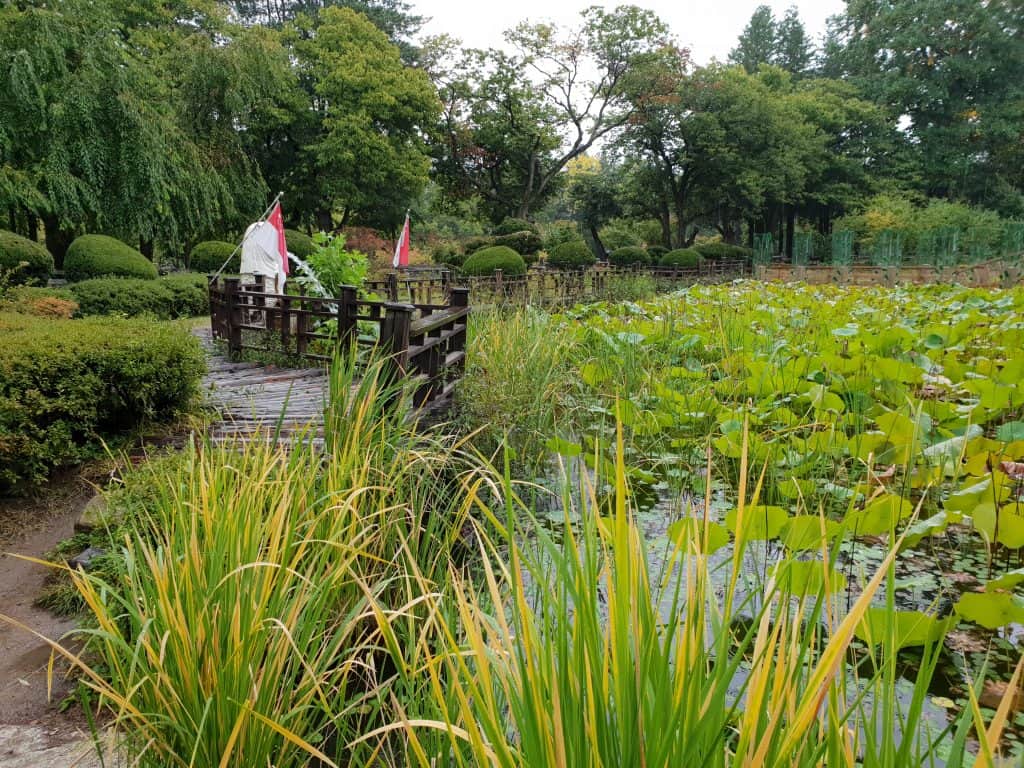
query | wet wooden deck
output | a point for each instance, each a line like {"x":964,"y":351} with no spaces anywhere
{"x":256,"y":402}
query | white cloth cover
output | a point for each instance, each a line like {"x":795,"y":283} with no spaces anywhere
{"x":260,"y":256}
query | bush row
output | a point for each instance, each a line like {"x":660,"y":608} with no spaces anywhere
{"x":171,"y":297}
{"x":67,"y":384}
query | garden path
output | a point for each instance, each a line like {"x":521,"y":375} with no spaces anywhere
{"x":255,"y":401}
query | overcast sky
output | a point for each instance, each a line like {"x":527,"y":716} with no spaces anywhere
{"x":708,"y":27}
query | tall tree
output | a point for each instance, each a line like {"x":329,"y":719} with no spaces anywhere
{"x":756,"y":44}
{"x":794,"y":51}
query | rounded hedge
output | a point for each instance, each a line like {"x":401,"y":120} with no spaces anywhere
{"x":103,"y":256}
{"x":299,"y":243}
{"x":655,"y":252}
{"x":28,"y":262}
{"x":524,"y":242}
{"x":210,"y":255}
{"x":487,"y":260}
{"x":629,"y":256}
{"x":171,"y":297}
{"x":511,"y":226}
{"x":723,"y":251}
{"x":681,"y":257}
{"x":571,"y":255}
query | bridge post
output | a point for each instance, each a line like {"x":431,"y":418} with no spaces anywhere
{"x":347,"y":323}
{"x":233,"y":313}
{"x":392,"y":286}
{"x":394,"y":340}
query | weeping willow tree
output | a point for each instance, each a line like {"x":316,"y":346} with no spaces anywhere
{"x":129,"y":123}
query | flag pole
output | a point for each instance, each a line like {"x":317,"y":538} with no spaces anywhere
{"x":245,"y":237}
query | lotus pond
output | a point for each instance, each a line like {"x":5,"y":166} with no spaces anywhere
{"x":850,"y":421}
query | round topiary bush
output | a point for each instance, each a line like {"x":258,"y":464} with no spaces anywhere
{"x":26,"y":261}
{"x":487,"y":260}
{"x":572,"y":255}
{"x":655,"y":252}
{"x":723,"y":251}
{"x":103,"y":256}
{"x":521,"y":242}
{"x":681,"y":257}
{"x":299,"y":243}
{"x":511,"y":226}
{"x":629,"y":256}
{"x":210,"y":255}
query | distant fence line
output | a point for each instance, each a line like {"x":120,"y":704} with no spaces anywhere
{"x":994,"y":273}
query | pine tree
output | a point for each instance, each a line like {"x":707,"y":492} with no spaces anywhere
{"x":757,"y":44}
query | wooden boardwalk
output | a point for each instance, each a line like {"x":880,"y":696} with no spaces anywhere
{"x":253,"y":401}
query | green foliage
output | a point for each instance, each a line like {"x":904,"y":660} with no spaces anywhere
{"x":723,"y":252}
{"x":572,"y":255}
{"x":103,"y":256}
{"x":618,"y":235}
{"x":629,"y":256}
{"x":34,"y":300}
{"x":655,"y":252}
{"x":333,"y":264}
{"x":560,"y":232}
{"x":527,"y":242}
{"x":681,"y":257}
{"x":511,"y":226}
{"x":448,"y":253}
{"x":486,"y":260}
{"x":209,"y":256}
{"x":474,"y":244}
{"x":167,"y":298}
{"x":26,"y":262}
{"x":68,"y":383}
{"x":299,"y":243}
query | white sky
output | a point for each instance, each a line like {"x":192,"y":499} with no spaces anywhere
{"x":709,"y":28}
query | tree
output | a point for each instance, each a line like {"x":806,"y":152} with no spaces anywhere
{"x":953,"y":71}
{"x":794,"y":51}
{"x":574,"y":95}
{"x":370,"y":156}
{"x":757,"y":43}
{"x":595,"y":197}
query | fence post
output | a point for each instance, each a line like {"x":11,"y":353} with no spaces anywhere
{"x":347,"y":323}
{"x":446,"y":282}
{"x":234,"y":315}
{"x":392,"y":286}
{"x":216,"y":307}
{"x":394,"y":341}
{"x":499,"y":282}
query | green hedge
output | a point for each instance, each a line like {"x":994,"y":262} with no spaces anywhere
{"x":209,"y":255}
{"x":299,"y":243}
{"x":487,"y":260}
{"x":474,"y":244}
{"x":629,"y":256}
{"x":571,"y":255}
{"x":103,"y":256}
{"x":28,"y":262}
{"x":511,"y":226}
{"x":681,"y":257}
{"x":723,"y":252}
{"x":448,"y":254}
{"x":174,"y":296}
{"x":67,"y":384}
{"x":36,"y":300}
{"x":655,"y":252}
{"x":525,"y":242}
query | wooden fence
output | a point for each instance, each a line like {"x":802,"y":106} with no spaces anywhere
{"x":988,"y":274}
{"x":424,"y":342}
{"x":547,"y":287}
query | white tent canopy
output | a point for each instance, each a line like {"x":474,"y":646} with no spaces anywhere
{"x":260,"y":256}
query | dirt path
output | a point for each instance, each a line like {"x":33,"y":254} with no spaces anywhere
{"x":33,"y":732}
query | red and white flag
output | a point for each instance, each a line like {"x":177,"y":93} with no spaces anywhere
{"x":276,"y":220}
{"x":402,"y":246}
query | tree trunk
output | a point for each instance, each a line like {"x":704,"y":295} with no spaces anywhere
{"x":665,"y":217}
{"x":33,"y":226}
{"x":57,"y":239}
{"x":680,"y":220}
{"x":602,"y":254}
{"x":146,"y":248}
{"x":324,"y":220}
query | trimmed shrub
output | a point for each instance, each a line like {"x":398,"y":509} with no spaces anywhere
{"x":655,"y":252}
{"x":448,"y":254}
{"x":681,"y":257}
{"x":42,"y":302}
{"x":525,"y":242}
{"x":66,"y":384}
{"x":171,"y":297}
{"x":16,"y":250}
{"x":208,"y":256}
{"x":102,"y":256}
{"x":723,"y":252}
{"x":486,"y":260}
{"x":572,"y":255}
{"x":618,"y":235}
{"x":299,"y":243}
{"x":511,"y":226}
{"x":474,"y":244}
{"x":629,"y":256}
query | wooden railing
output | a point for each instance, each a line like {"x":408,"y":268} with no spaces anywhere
{"x":424,"y":342}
